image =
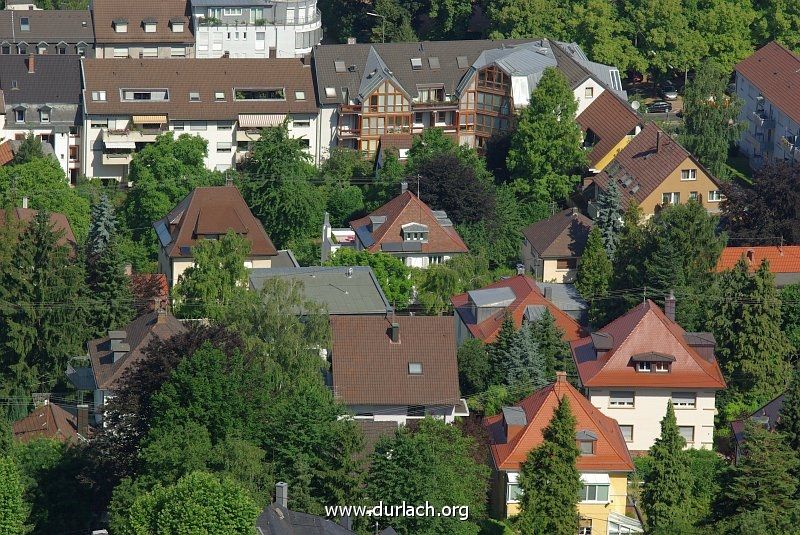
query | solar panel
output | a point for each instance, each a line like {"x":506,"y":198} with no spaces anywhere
{"x":365,"y":236}
{"x":163,"y":234}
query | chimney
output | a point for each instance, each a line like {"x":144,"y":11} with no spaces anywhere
{"x":403,"y":187}
{"x":574,"y":211}
{"x":561,"y":377}
{"x":548,"y":293}
{"x":514,"y":421}
{"x":520,"y":269}
{"x":282,"y":494}
{"x":394,"y":332}
{"x":25,"y":202}
{"x":351,"y":40}
{"x":750,"y":256}
{"x":161,"y":318}
{"x":669,"y":306}
{"x":226,"y":54}
{"x":83,"y":420}
{"x":658,"y":140}
{"x":31,"y":64}
{"x":128,"y":269}
{"x":349,"y":272}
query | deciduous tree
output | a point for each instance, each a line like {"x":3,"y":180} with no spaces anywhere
{"x":13,"y":509}
{"x":473,"y":366}
{"x":392,"y":274}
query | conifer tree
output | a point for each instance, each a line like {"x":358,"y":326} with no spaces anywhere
{"x":594,"y":272}
{"x":550,"y":481}
{"x":609,"y":218}
{"x":666,"y":490}
{"x":102,"y":229}
{"x":789,"y":420}
{"x":554,"y":349}
{"x":523,"y":363}
{"x":498,"y":349}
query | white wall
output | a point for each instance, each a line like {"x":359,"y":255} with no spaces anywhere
{"x":649,"y":408}
{"x":250,"y":41}
{"x":398,"y":413}
{"x":580,"y":94}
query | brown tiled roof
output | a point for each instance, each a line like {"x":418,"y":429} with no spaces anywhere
{"x":610,"y":453}
{"x":105,"y":12}
{"x":369,"y":369}
{"x":6,"y":154}
{"x":526,"y":293}
{"x":213,"y":210}
{"x":647,"y":166}
{"x":139,"y":333}
{"x":611,"y":120}
{"x":775,"y":71}
{"x":644,"y":329}
{"x":47,"y":421}
{"x":782,"y":259}
{"x":49,"y":25}
{"x":58,"y":223}
{"x":149,"y":289}
{"x":407,"y":208}
{"x":561,"y":235}
{"x":204,"y":76}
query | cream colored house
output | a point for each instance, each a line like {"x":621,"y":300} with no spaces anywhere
{"x":551,"y":248}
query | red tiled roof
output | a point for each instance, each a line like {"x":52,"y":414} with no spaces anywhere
{"x":147,"y":289}
{"x":58,"y":222}
{"x":213,"y":210}
{"x":527,"y":293}
{"x":407,"y":208}
{"x":775,"y":71}
{"x":782,"y":259}
{"x":47,"y":421}
{"x":611,"y":120}
{"x":610,"y":454}
{"x":369,"y":369}
{"x":6,"y":154}
{"x":561,"y":235}
{"x":644,"y":329}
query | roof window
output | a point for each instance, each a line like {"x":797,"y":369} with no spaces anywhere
{"x":416,"y":63}
{"x":330,"y":92}
{"x":415,"y":368}
{"x":219,"y":95}
{"x":176,"y":26}
{"x":433,"y":61}
{"x":463,"y":62}
{"x":99,"y":96}
{"x":120,"y":26}
{"x":299,"y":95}
{"x":260,"y":94}
{"x":194,"y":96}
{"x":339,"y":66}
{"x":149,"y":26}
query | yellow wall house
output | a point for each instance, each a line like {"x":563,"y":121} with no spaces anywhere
{"x":604,"y":463}
{"x":653,"y":171}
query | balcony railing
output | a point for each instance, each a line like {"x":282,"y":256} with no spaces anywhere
{"x":761,"y":119}
{"x":139,"y":135}
{"x":114,"y":158}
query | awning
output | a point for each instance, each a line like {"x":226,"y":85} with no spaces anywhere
{"x":119,"y":144}
{"x":596,"y":479}
{"x":149,"y":119}
{"x":244,"y":135}
{"x":261,"y":121}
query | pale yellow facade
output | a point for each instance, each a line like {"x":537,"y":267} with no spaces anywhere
{"x":552,"y":273}
{"x":605,"y":160}
{"x":701,"y":186}
{"x":174,"y":268}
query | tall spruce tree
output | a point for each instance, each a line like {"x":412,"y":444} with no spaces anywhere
{"x":594,"y":273}
{"x":498,"y":349}
{"x":609,"y":218}
{"x":789,"y":420}
{"x":550,"y":480}
{"x":666,"y":490}
{"x":102,"y":229}
{"x":554,"y":349}
{"x":523,"y":363}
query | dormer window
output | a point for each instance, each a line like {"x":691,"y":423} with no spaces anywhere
{"x":44,"y":114}
{"x":644,"y":367}
{"x":652,"y":362}
{"x":120,"y":25}
{"x":586,"y":441}
{"x":149,"y":26}
{"x":176,"y":25}
{"x":415,"y":232}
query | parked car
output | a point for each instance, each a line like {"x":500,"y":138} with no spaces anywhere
{"x":668,"y":91}
{"x":659,"y":106}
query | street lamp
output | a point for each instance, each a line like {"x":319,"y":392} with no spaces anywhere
{"x":383,"y":24}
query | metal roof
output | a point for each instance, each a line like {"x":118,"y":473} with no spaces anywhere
{"x":515,"y":416}
{"x":492,"y":297}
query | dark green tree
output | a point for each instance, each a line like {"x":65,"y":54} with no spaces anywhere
{"x":499,"y":347}
{"x":523,"y":364}
{"x":549,"y":479}
{"x":13,"y":509}
{"x":397,"y":24}
{"x":498,"y":238}
{"x":789,"y":419}
{"x":473,"y":367}
{"x":594,"y":274}
{"x":609,"y":217}
{"x":436,"y":285}
{"x":555,"y":350}
{"x":448,"y":183}
{"x":29,"y":150}
{"x":790,"y":313}
{"x":102,"y":228}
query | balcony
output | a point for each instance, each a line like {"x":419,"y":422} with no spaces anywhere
{"x":124,"y":138}
{"x":117,"y":158}
{"x":761,"y":120}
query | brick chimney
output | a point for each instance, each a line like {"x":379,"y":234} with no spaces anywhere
{"x":83,"y":421}
{"x":394,"y":332}
{"x":669,"y":306}
{"x":561,"y":377}
{"x":31,"y":63}
{"x":750,"y":256}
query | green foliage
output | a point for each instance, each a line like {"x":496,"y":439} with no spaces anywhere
{"x":392,"y":274}
{"x":437,"y":284}
{"x":789,"y":419}
{"x":609,"y":218}
{"x":790,"y":313}
{"x":778,"y":20}
{"x":473,"y":366}
{"x":554,"y":349}
{"x":343,"y":200}
{"x":497,"y":239}
{"x":500,"y":347}
{"x":396,"y":25}
{"x":449,"y":183}
{"x":433,"y":464}
{"x":344,"y":204}
{"x":522,"y":364}
{"x":594,"y":273}
{"x":549,"y":479}
{"x":546,"y":156}
{"x":6,"y":435}
{"x":730,"y":22}
{"x":495,"y":398}
{"x":102,"y":228}
{"x":13,"y":509}
{"x":216,"y":279}
{"x":29,"y":150}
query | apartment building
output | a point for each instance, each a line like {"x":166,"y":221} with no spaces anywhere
{"x":766,"y":82}
{"x":57,"y":32}
{"x":142,"y":29}
{"x":470,"y":89}
{"x":130,"y":102}
{"x":255,"y":28}
{"x":42,"y":95}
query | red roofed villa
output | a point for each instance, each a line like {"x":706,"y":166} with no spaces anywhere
{"x":784,"y":261}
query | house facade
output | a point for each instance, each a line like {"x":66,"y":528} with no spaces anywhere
{"x":604,"y":462}
{"x":634,"y":366}
{"x":255,"y":28}
{"x":42,"y":95}
{"x":46,"y":31}
{"x":129,"y":103}
{"x":766,"y":84}
{"x":551,"y":248}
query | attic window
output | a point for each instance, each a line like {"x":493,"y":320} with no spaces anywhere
{"x":149,"y":26}
{"x":416,"y":63}
{"x":99,"y":96}
{"x":586,"y":441}
{"x":176,"y":26}
{"x":120,"y":26}
{"x":415,"y":368}
{"x":330,"y":92}
{"x":339,"y":66}
{"x":260,"y":94}
{"x":194,"y":96}
{"x":219,"y":95}
{"x":434,"y":62}
{"x":24,"y":24}
{"x":299,"y":95}
{"x":463,"y":62}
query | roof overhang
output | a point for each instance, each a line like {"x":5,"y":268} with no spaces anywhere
{"x":652,"y":356}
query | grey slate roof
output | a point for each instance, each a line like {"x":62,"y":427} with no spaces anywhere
{"x":515,"y":416}
{"x":284,"y":259}
{"x":52,"y":26}
{"x":277,"y":520}
{"x":57,"y":79}
{"x":333,"y":288}
{"x":492,"y":297}
{"x":564,"y":296}
{"x":527,"y":59}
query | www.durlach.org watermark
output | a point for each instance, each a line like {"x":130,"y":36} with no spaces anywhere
{"x":384,"y":510}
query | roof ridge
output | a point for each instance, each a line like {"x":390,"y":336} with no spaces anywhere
{"x":545,"y":392}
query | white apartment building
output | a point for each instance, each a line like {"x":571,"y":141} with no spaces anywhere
{"x":255,"y":28}
{"x":766,"y":82}
{"x":129,"y":103}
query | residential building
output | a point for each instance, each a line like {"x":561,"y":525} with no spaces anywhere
{"x":631,"y":368}
{"x":783,"y":260}
{"x":470,"y":89}
{"x":129,"y":103}
{"x":654,"y":170}
{"x":21,"y":5}
{"x":334,"y":239}
{"x":604,"y":462}
{"x":480,"y":313}
{"x":6,"y":151}
{"x":112,"y":355}
{"x":256,"y":28}
{"x":49,"y":420}
{"x":766,"y":83}
{"x":339,"y":290}
{"x":767,"y":415}
{"x":395,"y":368}
{"x":42,"y":96}
{"x":46,"y":31}
{"x":608,"y":124}
{"x":207,"y":214}
{"x":58,"y":223}
{"x":552,"y":247}
{"x":407,"y":228}
{"x":567,"y":298}
{"x":142,"y":29}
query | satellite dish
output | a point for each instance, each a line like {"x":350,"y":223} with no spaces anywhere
{"x":635,"y":104}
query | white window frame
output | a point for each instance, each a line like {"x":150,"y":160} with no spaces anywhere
{"x":177,"y":52}
{"x":150,"y":27}
{"x":178,"y":126}
{"x":644,"y":367}
{"x":299,"y":95}
{"x":194,"y":96}
{"x":588,"y":92}
{"x":688,"y":175}
{"x":715,"y":195}
{"x":219,"y":96}
{"x":198,"y":126}
{"x":517,"y":493}
{"x":623,"y":434}
{"x":18,"y":114}
{"x":121,"y":52}
{"x":413,"y":367}
{"x":24,"y":24}
{"x":44,"y":116}
{"x":232,"y":11}
{"x":671,"y":197}
{"x":612,"y":403}
{"x":330,"y":92}
{"x":584,"y":496}
{"x":224,"y":146}
{"x":681,"y":429}
{"x":684,"y":400}
{"x":150,"y":52}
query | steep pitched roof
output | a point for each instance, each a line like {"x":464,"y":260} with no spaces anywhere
{"x":6,"y":152}
{"x":769,"y":414}
{"x":370,"y":369}
{"x":610,"y":453}
{"x":644,"y":165}
{"x":50,"y":25}
{"x":47,"y":421}
{"x":211,"y":211}
{"x":105,"y":12}
{"x":775,"y":71}
{"x":561,"y":235}
{"x":611,"y":120}
{"x":526,"y":294}
{"x":278,"y":520}
{"x":58,"y":223}
{"x":645,"y":329}
{"x":404,"y":209}
{"x":137,"y":335}
{"x":56,"y":79}
{"x":782,"y":259}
